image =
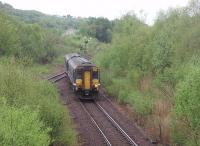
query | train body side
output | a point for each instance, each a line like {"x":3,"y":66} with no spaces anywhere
{"x":84,"y":75}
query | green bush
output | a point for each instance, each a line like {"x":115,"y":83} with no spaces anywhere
{"x":28,"y":41}
{"x":187,"y":105}
{"x":116,"y":86}
{"x":22,"y":127}
{"x":20,"y":88}
{"x":141,"y":103}
{"x":9,"y":39}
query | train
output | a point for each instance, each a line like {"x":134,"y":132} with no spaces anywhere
{"x":84,"y":75}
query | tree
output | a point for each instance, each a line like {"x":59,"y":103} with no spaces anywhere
{"x":99,"y":28}
{"x":9,"y":41}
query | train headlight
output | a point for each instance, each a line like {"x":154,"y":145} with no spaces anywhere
{"x":78,"y":82}
{"x":96,"y":83}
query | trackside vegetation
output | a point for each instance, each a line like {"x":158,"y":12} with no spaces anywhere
{"x":155,"y":70}
{"x":31,"y":113}
{"x":187,"y":109}
{"x":22,"y":127}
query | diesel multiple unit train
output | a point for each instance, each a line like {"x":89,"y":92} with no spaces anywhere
{"x":83,"y":75}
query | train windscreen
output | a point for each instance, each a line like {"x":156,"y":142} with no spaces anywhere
{"x":79,"y":74}
{"x":95,"y":74}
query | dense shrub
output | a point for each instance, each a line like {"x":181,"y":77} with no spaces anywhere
{"x":141,"y":103}
{"x":9,"y":40}
{"x":22,"y":126}
{"x":23,"y":40}
{"x":20,"y":88}
{"x":187,"y":105}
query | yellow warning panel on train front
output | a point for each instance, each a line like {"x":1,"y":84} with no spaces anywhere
{"x":87,"y":80}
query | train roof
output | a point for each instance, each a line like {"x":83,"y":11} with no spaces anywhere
{"x":76,"y":60}
{"x":71,"y":55}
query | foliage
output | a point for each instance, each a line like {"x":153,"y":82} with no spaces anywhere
{"x":31,"y":103}
{"x":141,"y":103}
{"x":27,"y":41}
{"x":38,"y":43}
{"x":21,"y":126}
{"x":165,"y":51}
{"x":8,"y":38}
{"x":35,"y":17}
{"x":21,"y":89}
{"x":187,"y":106}
{"x":99,"y":28}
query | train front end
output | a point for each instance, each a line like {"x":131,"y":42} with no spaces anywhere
{"x":87,"y":79}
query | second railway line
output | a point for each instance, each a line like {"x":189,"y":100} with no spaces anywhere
{"x":57,"y":77}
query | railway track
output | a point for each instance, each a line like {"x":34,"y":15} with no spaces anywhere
{"x":110,"y":104}
{"x":57,"y":77}
{"x":111,"y":131}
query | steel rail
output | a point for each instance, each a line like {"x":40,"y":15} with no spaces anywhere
{"x":59,"y":79}
{"x":56,"y":75}
{"x":131,"y":141}
{"x":95,"y":123}
{"x":139,"y":128}
{"x":102,"y":94}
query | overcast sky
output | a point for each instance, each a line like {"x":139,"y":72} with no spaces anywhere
{"x":96,"y":8}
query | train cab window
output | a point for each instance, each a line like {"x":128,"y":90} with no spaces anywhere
{"x":67,"y":66}
{"x":95,"y":74}
{"x":78,"y":74}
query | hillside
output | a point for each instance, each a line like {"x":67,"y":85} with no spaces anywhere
{"x":99,"y":28}
{"x":35,"y":17}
